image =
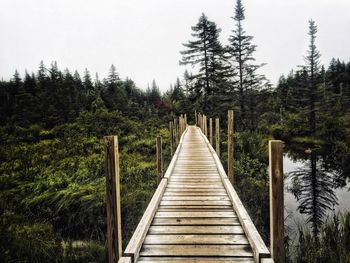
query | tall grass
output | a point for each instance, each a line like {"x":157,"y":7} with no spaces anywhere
{"x":332,"y":244}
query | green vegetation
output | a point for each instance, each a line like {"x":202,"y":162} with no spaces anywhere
{"x":332,"y":244}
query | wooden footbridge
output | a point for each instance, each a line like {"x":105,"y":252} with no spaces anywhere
{"x":195,"y":214}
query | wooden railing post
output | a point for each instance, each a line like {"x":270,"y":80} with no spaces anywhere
{"x":217,"y":136}
{"x":276,"y":200}
{"x":211,"y":131}
{"x":114,"y":233}
{"x":159,"y":159}
{"x":230,"y":152}
{"x":171,"y":130}
{"x":195,"y":118}
{"x":205,"y":126}
{"x":176,"y":128}
{"x":185,"y":120}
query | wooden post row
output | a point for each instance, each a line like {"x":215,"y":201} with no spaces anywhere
{"x":211,"y":131}
{"x":205,"y":126}
{"x":230,"y":152}
{"x":171,"y":130}
{"x":185,"y":120}
{"x":276,"y":200}
{"x":114,"y":233}
{"x":217,"y":136}
{"x":159,"y":159}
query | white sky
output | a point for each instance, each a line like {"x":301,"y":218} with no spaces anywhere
{"x":142,"y":38}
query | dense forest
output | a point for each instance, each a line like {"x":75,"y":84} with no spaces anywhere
{"x":52,"y":182}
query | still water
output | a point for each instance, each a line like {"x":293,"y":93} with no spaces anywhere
{"x":318,"y":197}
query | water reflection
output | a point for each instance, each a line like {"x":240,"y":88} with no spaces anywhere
{"x":313,"y":186}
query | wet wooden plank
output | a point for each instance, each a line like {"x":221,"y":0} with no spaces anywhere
{"x":196,"y":214}
{"x":193,"y":198}
{"x":235,"y":229}
{"x":196,"y":239}
{"x":216,"y":193}
{"x":197,"y":250}
{"x":229,"y":207}
{"x":196,"y":259}
{"x":196,"y":221}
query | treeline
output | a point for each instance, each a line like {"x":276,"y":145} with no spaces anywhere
{"x":52,"y":97}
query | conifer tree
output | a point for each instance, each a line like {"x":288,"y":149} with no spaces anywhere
{"x":206,"y":53}
{"x":241,"y":52}
{"x":313,"y":69}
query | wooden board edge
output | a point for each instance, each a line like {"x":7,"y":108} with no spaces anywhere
{"x":171,"y":166}
{"x":135,"y":243}
{"x":124,"y":260}
{"x":258,"y":245}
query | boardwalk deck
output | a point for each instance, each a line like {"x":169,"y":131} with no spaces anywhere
{"x":195,"y":214}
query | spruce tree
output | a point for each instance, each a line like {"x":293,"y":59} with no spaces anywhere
{"x":206,"y":53}
{"x":312,"y":67}
{"x":241,"y":52}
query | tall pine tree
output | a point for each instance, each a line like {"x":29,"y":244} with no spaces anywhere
{"x":248,"y":80}
{"x":206,"y":53}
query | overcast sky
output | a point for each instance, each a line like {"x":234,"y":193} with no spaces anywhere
{"x":142,"y":38}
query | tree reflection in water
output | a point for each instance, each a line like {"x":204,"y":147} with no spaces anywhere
{"x":313,"y":187}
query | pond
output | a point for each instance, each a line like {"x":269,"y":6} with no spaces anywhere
{"x":311,"y":193}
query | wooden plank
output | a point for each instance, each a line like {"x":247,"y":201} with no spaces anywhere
{"x":114,"y":233}
{"x":181,"y":189}
{"x":195,"y":198}
{"x":196,"y":180}
{"x":276,"y":200}
{"x":195,"y":207}
{"x":196,"y":239}
{"x":221,"y":229}
{"x":196,"y":259}
{"x":170,"y":193}
{"x":196,"y":221}
{"x":139,"y":235}
{"x":195,"y":202}
{"x":195,"y":186}
{"x":267,"y":260}
{"x":197,"y":250}
{"x":196,"y":214}
{"x":124,"y":260}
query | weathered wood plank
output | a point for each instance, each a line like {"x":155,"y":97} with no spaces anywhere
{"x":196,"y":239}
{"x":196,"y":214}
{"x":195,"y":198}
{"x":235,"y":229}
{"x":194,"y":202}
{"x":196,"y":221}
{"x":217,"y":207}
{"x":197,"y":250}
{"x":170,"y":193}
{"x":196,"y":259}
{"x":124,"y":260}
